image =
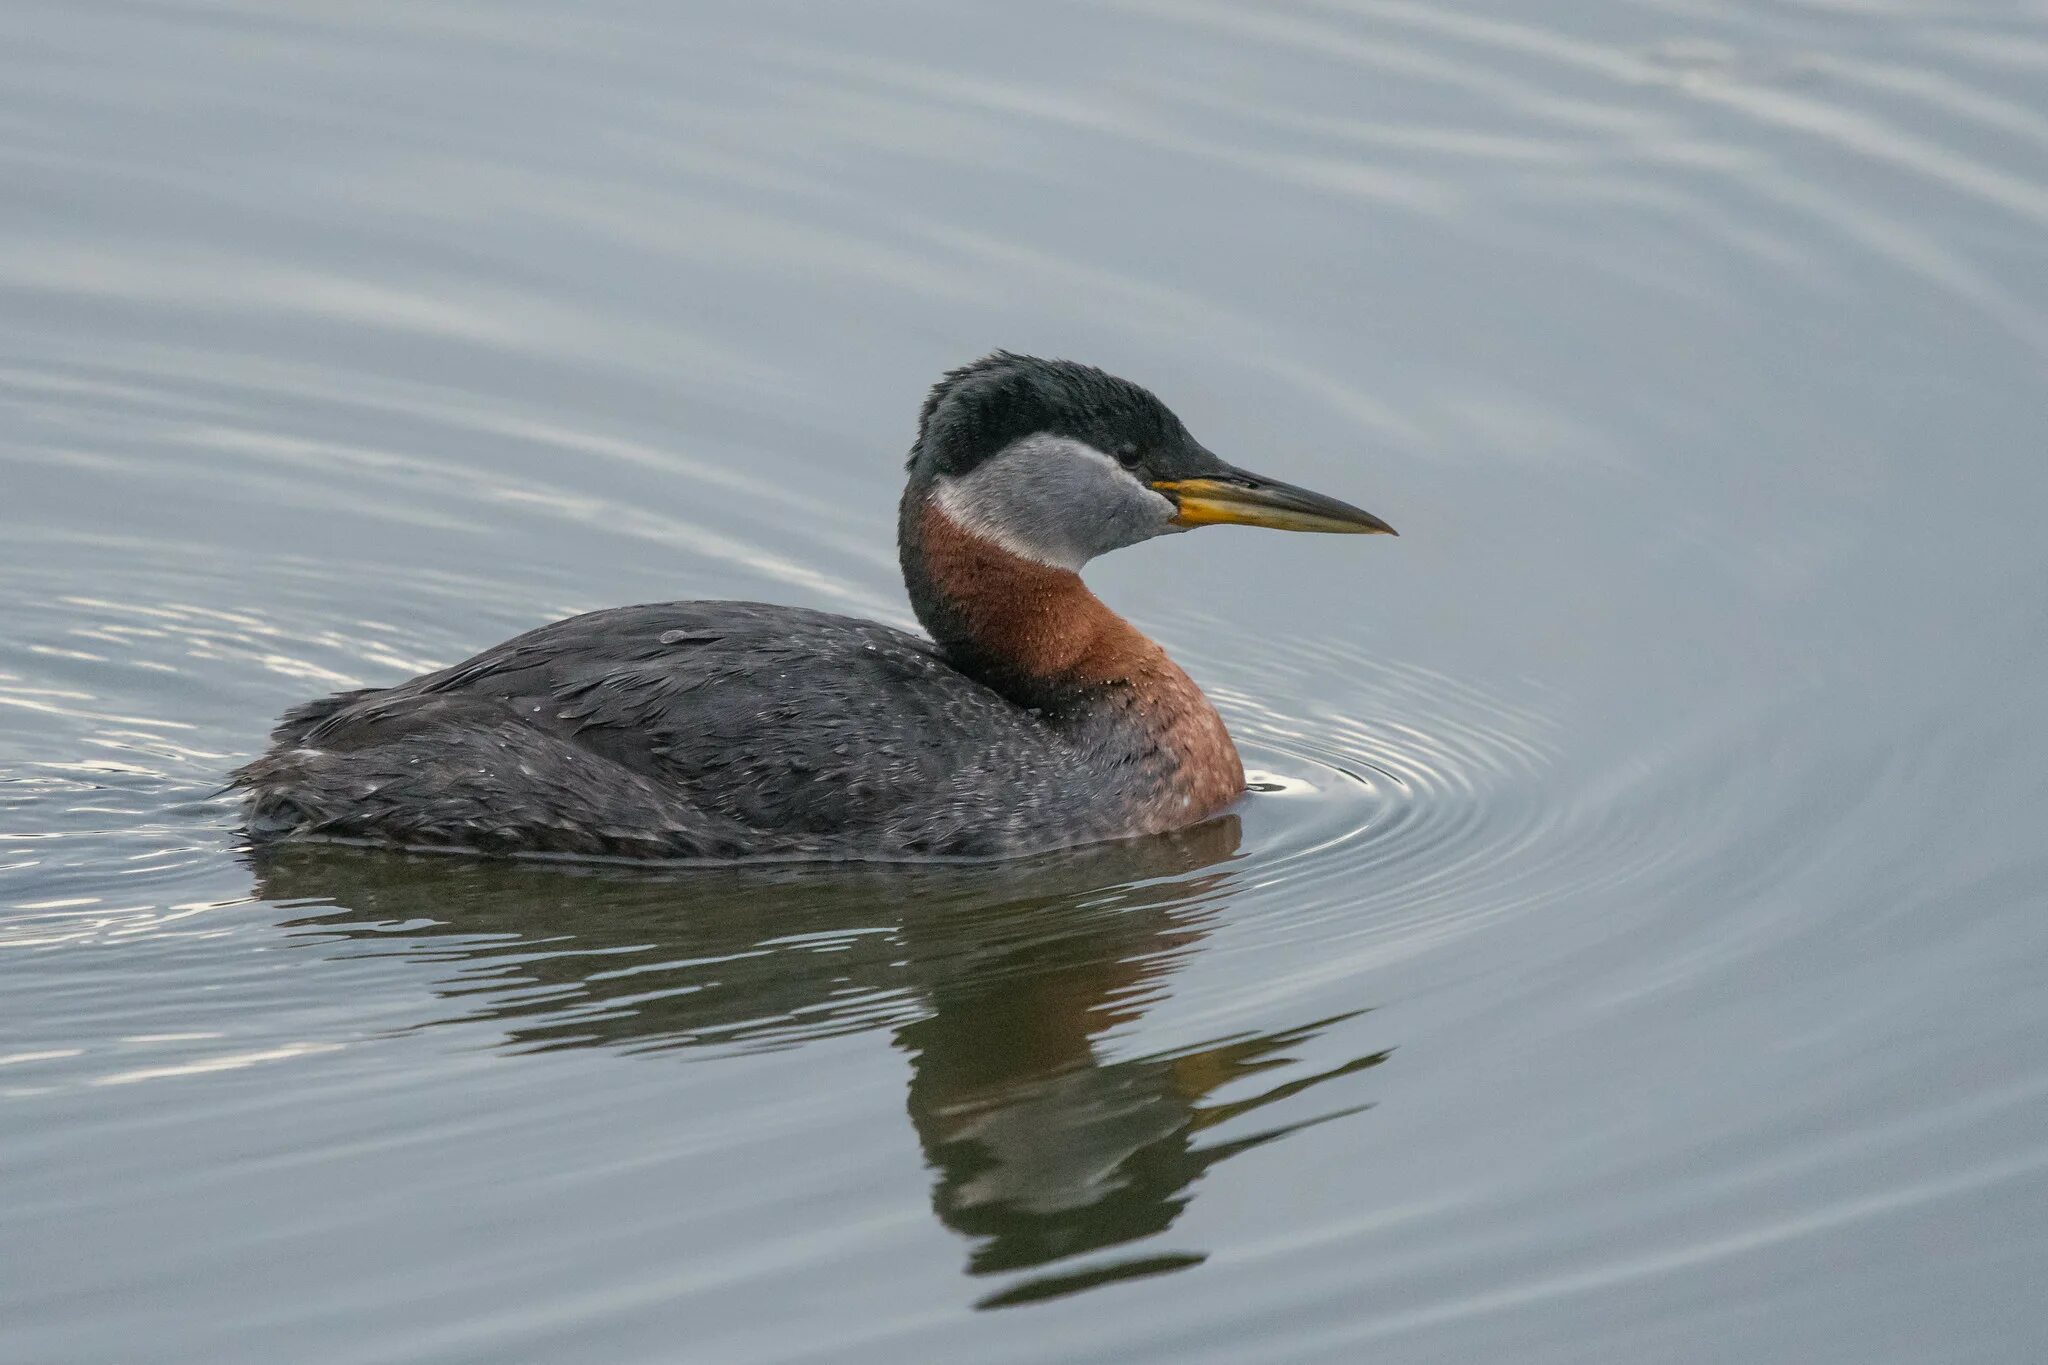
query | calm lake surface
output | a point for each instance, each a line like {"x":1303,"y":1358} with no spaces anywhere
{"x":1635,"y":951}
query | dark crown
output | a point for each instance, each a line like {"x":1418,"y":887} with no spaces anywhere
{"x":979,"y":408}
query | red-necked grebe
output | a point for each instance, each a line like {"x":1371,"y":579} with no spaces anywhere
{"x":1034,"y":717}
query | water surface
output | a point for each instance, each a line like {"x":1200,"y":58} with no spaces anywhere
{"x":1634,"y":950}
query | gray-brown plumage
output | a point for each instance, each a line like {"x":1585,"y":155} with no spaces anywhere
{"x":1033,"y":718}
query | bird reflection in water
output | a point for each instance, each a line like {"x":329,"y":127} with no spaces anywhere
{"x":998,"y":981}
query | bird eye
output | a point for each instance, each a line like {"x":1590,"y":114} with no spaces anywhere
{"x":1129,"y":457}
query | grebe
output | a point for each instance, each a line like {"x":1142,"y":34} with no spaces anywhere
{"x":1033,"y":718}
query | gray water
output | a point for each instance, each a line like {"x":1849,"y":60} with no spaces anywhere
{"x":1635,"y":951}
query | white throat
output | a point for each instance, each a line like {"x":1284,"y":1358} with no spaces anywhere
{"x":1055,"y":501}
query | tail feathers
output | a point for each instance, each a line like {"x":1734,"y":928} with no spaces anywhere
{"x":294,"y":725}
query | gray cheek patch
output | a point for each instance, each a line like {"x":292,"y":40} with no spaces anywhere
{"x":1055,"y":500}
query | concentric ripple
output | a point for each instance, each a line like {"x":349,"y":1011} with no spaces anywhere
{"x":1407,"y":806}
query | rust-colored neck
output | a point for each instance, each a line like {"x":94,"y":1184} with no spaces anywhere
{"x":1035,"y":633}
{"x":1025,"y":618}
